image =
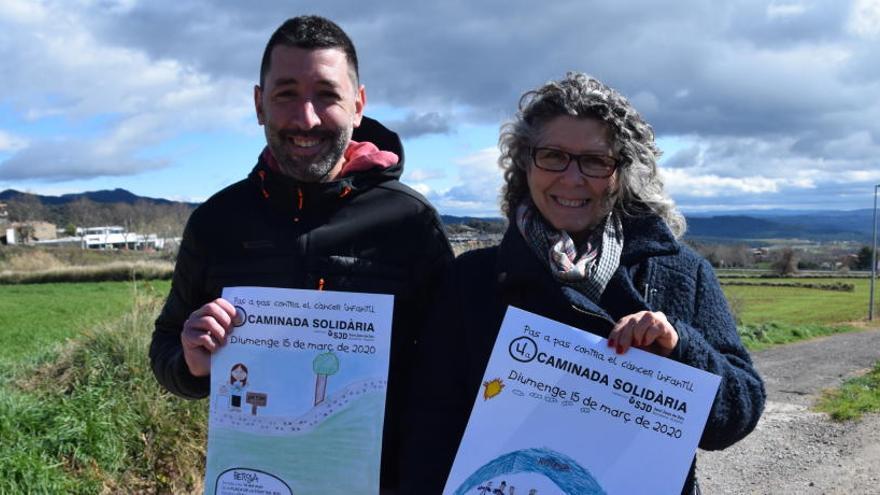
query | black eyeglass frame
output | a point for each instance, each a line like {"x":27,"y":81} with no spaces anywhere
{"x":572,"y":156}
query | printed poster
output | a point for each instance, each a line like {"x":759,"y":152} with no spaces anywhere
{"x":298,"y":393}
{"x":559,"y":412}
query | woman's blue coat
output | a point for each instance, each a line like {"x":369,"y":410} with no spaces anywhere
{"x":656,"y":273}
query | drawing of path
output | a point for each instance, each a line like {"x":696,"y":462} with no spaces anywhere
{"x":334,"y":448}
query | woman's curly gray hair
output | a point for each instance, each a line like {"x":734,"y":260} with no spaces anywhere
{"x":639,"y":189}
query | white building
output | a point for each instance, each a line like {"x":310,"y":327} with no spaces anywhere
{"x":115,"y":237}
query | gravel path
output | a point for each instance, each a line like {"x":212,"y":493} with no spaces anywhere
{"x":793,"y":449}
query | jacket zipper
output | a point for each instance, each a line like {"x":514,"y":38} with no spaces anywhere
{"x":299,"y":203}
{"x":649,"y":291}
{"x":649,"y":294}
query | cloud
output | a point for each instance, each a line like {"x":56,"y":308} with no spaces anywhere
{"x":780,"y":91}
{"x":688,"y":183}
{"x":415,"y":125}
{"x":685,"y":158}
{"x":65,"y":160}
{"x":864,"y":19}
{"x":477,"y":188}
{"x":11,"y":142}
{"x":423,"y":174}
{"x":422,"y":188}
{"x":785,"y":10}
{"x":63,"y":71}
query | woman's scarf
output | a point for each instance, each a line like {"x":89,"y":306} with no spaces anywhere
{"x":584,"y":275}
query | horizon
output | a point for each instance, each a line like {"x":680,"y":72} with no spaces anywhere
{"x":757,"y":105}
{"x":694,"y":214}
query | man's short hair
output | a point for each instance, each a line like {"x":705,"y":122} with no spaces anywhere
{"x":310,"y":32}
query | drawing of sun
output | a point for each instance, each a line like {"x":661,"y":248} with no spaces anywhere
{"x":492,"y":388}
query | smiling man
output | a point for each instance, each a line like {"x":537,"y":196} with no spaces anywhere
{"x":322,"y":209}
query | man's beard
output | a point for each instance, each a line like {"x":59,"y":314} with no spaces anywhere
{"x":311,"y":168}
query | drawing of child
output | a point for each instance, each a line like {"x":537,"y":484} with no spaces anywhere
{"x":238,"y":381}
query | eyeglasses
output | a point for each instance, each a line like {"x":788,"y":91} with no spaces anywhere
{"x":591,"y":165}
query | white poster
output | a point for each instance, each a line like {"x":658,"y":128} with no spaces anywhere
{"x":560,"y":413}
{"x":298,"y":393}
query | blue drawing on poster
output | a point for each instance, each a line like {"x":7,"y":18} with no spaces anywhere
{"x":565,"y":472}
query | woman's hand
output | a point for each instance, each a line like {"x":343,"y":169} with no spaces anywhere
{"x":647,"y":330}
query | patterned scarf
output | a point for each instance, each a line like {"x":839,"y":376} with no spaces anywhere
{"x":584,"y":275}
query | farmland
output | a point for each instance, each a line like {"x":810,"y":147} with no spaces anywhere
{"x":34,"y":317}
{"x":80,"y":411}
{"x":796,"y":305}
{"x":772,"y":314}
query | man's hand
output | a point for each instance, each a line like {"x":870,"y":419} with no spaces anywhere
{"x":648,"y":330}
{"x":204,"y":332}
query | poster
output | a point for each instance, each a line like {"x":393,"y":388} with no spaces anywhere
{"x":298,"y":393}
{"x":560,"y":413}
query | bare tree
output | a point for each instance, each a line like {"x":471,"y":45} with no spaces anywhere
{"x":787,"y":263}
{"x":26,"y":208}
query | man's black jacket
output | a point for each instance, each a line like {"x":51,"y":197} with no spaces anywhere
{"x":363,"y":233}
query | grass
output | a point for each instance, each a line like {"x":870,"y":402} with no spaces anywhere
{"x":40,"y":265}
{"x":800,"y":306}
{"x":91,"y":418}
{"x":21,"y":257}
{"x":770,"y":316}
{"x":115,"y":271}
{"x":763,"y":335}
{"x":80,"y":411}
{"x":33,"y":318}
{"x":781,"y":315}
{"x":854,"y":398}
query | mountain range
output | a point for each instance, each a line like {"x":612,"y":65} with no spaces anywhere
{"x":105,"y":196}
{"x":812,"y":225}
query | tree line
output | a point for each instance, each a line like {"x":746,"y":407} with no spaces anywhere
{"x":164,"y":220}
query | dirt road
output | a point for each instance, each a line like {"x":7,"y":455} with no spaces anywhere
{"x":794,"y":450}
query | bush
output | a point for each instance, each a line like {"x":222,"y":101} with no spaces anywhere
{"x":763,"y":335}
{"x":117,"y":271}
{"x":854,"y":398}
{"x":31,"y":261}
{"x":787,"y":263}
{"x":93,"y":419}
{"x":836,"y":286}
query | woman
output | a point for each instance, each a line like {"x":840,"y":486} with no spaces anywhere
{"x":592,"y":242}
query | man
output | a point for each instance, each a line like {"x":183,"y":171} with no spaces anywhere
{"x":322,"y":209}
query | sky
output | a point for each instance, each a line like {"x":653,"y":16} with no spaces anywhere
{"x":756,"y":104}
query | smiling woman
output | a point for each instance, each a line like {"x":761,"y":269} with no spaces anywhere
{"x":572,"y":198}
{"x":592,"y":243}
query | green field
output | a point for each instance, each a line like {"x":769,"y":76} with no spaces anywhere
{"x":33,"y":318}
{"x":80,"y":411}
{"x":797,"y":305}
{"x":768,"y":316}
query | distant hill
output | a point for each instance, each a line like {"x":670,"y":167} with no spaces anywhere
{"x":451,"y":219}
{"x":765,"y":225}
{"x":852,"y":225}
{"x":103,"y":196}
{"x":818,"y":225}
{"x":97,"y":208}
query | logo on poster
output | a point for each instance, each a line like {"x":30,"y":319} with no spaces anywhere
{"x":523,"y":349}
{"x":240,"y":317}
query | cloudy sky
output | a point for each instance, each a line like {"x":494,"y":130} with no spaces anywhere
{"x":757,"y":104}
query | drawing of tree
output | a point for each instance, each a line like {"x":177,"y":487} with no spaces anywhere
{"x":324,"y":365}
